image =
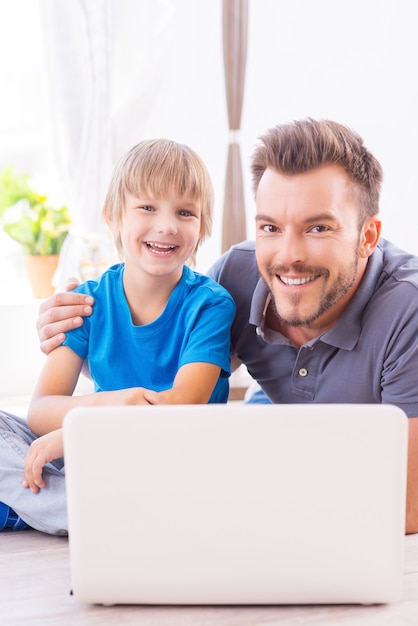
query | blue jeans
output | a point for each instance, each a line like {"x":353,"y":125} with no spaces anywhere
{"x":255,"y":395}
{"x":45,"y":511}
{"x":258,"y":397}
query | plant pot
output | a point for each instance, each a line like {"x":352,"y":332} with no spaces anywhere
{"x":41,"y":270}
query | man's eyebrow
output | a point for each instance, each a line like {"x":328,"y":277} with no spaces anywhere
{"x":320,"y":217}
{"x":259,"y":217}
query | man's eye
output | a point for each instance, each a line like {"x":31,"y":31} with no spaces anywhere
{"x":269,"y":228}
{"x":319,"y":228}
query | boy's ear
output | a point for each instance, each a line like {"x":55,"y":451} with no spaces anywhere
{"x":370,"y":235}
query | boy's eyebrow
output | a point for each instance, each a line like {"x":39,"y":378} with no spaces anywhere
{"x":149,"y":199}
{"x":188,"y":202}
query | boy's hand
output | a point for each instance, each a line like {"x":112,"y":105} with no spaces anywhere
{"x":60,"y":313}
{"x":42,"y":451}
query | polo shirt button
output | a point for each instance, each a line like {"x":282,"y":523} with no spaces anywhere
{"x":303,"y":372}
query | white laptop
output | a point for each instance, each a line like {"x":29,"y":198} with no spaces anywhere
{"x":236,"y":504}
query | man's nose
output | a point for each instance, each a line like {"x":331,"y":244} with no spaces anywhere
{"x":291,"y":248}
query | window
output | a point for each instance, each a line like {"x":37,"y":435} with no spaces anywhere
{"x":24,"y":119}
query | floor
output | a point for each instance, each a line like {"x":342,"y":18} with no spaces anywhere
{"x":35,"y":590}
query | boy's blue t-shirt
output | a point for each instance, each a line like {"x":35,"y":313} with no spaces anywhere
{"x":194,"y":327}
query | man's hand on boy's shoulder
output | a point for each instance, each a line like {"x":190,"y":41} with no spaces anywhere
{"x":59,"y":313}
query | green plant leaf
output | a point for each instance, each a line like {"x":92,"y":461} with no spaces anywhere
{"x":15,"y":187}
{"x":27,"y":218}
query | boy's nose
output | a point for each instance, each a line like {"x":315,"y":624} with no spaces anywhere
{"x":166,"y":227}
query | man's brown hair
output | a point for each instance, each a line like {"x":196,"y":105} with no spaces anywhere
{"x":303,"y":145}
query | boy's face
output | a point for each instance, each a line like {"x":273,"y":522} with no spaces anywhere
{"x":159,"y":235}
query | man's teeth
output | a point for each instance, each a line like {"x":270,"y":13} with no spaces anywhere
{"x":297,"y":281}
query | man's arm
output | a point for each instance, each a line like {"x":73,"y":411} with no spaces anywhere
{"x":412,"y":481}
{"x":60,"y":313}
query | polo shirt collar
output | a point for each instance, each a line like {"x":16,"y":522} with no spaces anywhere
{"x":346,"y":332}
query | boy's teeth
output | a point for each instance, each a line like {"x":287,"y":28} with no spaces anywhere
{"x":160,"y":248}
{"x":158,"y":245}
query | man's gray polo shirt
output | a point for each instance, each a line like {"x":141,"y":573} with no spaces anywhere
{"x":369,"y":356}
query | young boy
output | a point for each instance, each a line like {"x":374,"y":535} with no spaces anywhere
{"x":160,"y":335}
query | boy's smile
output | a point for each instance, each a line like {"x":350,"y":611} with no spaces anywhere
{"x":159,"y":248}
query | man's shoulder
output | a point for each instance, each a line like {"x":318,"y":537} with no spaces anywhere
{"x":397,"y":264}
{"x":237,"y":271}
{"x":240,"y":257}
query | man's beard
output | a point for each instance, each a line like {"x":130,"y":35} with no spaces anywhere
{"x":340,"y":287}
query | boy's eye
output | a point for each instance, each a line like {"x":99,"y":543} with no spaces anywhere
{"x":147,"y":207}
{"x":185,"y":213}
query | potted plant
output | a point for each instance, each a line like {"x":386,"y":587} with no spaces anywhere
{"x":38,"y":227}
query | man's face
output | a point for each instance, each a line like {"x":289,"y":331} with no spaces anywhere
{"x":309,"y":245}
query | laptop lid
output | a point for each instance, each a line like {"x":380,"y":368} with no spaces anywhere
{"x":236,"y":504}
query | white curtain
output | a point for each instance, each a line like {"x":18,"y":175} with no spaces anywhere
{"x":107,"y":62}
{"x":78,"y":41}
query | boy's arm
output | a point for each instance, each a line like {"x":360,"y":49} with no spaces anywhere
{"x":42,"y":451}
{"x":193,"y":384}
{"x":52,"y":398}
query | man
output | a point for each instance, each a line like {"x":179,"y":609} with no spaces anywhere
{"x":326,"y":311}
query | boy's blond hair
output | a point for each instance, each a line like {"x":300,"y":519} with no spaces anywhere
{"x":158,"y":166}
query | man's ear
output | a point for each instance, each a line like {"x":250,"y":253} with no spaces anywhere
{"x":370,"y":235}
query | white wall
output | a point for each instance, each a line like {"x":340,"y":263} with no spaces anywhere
{"x":354,"y":62}
{"x":21,"y":359}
